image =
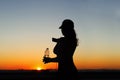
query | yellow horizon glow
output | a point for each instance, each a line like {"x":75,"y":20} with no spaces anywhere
{"x":38,"y":68}
{"x":81,"y":62}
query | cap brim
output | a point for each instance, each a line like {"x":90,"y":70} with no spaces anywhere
{"x":60,"y":27}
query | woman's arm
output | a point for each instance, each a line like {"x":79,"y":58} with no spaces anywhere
{"x":47,"y":59}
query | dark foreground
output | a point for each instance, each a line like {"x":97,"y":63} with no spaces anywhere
{"x":51,"y":75}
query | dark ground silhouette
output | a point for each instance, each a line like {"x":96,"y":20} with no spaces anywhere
{"x":51,"y":75}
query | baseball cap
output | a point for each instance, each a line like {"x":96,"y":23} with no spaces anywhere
{"x":67,"y":24}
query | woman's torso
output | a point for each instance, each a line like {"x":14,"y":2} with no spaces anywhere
{"x":64,"y":50}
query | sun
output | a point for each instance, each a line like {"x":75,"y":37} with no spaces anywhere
{"x":38,"y":68}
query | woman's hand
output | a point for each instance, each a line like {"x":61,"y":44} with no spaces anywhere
{"x":54,"y":39}
{"x":46,"y":60}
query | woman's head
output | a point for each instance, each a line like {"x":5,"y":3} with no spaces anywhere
{"x":68,"y":31}
{"x":67,"y":28}
{"x":67,"y":24}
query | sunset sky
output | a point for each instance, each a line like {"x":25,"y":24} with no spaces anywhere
{"x":27,"y":27}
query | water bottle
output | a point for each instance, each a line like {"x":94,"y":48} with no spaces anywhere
{"x":46,"y":52}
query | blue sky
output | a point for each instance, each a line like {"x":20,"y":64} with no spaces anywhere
{"x":32,"y":24}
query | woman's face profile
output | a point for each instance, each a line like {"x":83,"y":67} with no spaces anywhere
{"x":64,"y":32}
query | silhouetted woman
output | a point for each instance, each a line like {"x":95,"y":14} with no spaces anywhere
{"x":64,"y":50}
